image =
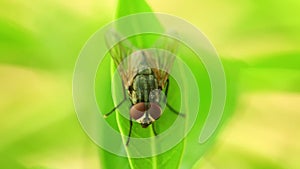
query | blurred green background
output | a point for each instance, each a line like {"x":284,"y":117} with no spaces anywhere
{"x":39,"y":44}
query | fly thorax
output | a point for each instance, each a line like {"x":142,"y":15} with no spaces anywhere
{"x":141,"y":88}
{"x":143,"y":83}
{"x":144,"y":70}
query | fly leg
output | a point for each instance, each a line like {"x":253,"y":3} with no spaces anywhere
{"x":130,"y":129}
{"x":167,"y":87}
{"x":110,"y":112}
{"x":175,"y":111}
{"x":169,"y":106}
{"x":153,"y":129}
{"x":124,"y":99}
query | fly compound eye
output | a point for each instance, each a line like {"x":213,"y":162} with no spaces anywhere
{"x":138,"y":110}
{"x":154,"y":111}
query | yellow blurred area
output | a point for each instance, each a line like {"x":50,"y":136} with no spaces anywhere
{"x":241,"y":29}
{"x":24,"y":93}
{"x":38,"y":122}
{"x":264,"y":132}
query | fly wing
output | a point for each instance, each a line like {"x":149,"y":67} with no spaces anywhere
{"x":120,"y":49}
{"x":161,"y":61}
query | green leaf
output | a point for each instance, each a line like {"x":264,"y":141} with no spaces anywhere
{"x":129,"y":7}
{"x":170,"y":159}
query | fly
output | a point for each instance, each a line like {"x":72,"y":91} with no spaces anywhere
{"x":143,"y":79}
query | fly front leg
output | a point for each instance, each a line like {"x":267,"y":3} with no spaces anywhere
{"x":110,"y":112}
{"x":120,"y":104}
{"x":175,"y":111}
